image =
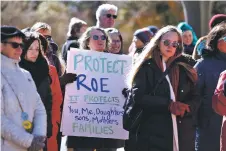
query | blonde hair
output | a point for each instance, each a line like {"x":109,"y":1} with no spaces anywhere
{"x":40,"y":25}
{"x":84,"y":40}
{"x":152,"y":50}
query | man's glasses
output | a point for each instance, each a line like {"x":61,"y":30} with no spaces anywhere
{"x":168,"y":43}
{"x":110,"y":15}
{"x":223,"y":38}
{"x":96,"y":37}
{"x":14,"y":44}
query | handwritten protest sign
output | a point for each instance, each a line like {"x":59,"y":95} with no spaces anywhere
{"x":93,"y":103}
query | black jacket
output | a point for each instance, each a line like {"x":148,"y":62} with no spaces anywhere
{"x":92,"y":142}
{"x":72,"y":42}
{"x":40,"y":73}
{"x":45,"y":93}
{"x":155,"y":132}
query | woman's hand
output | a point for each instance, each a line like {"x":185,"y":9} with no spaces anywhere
{"x":177,"y":108}
{"x":67,"y":78}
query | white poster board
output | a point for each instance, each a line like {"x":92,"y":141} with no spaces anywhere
{"x":93,"y":104}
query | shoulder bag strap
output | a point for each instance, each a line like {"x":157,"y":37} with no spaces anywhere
{"x":13,"y":92}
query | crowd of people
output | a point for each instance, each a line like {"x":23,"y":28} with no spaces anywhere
{"x":183,"y":111}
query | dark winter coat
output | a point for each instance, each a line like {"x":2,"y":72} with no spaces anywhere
{"x":40,"y":73}
{"x":72,"y":42}
{"x":189,"y":59}
{"x":155,"y":132}
{"x":45,"y":93}
{"x":188,"y":49}
{"x":209,"y":70}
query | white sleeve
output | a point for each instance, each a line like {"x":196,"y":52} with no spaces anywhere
{"x":11,"y":131}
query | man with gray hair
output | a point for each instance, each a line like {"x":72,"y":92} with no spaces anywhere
{"x":106,"y":15}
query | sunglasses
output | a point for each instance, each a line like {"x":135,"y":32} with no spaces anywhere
{"x":168,"y":43}
{"x":110,"y":15}
{"x":102,"y":37}
{"x":223,"y":38}
{"x":14,"y":44}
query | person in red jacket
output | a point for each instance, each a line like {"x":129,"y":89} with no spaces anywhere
{"x":53,"y":143}
{"x":219,"y":105}
{"x":57,"y":99}
{"x":56,"y":113}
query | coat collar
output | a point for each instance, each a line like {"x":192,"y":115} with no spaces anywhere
{"x":221,"y":56}
{"x":8,"y":62}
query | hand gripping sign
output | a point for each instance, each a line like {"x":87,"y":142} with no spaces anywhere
{"x":93,"y":103}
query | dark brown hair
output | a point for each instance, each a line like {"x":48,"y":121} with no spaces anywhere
{"x":114,"y":30}
{"x":214,"y":35}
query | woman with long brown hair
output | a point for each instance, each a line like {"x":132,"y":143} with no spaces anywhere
{"x":168,"y":119}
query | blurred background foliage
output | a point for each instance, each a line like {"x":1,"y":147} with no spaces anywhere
{"x":132,"y":15}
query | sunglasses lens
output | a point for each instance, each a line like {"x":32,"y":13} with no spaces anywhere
{"x":16,"y":45}
{"x":103,"y":37}
{"x":114,"y":16}
{"x":95,"y":37}
{"x":166,"y":42}
{"x":108,"y":15}
{"x":175,"y":44}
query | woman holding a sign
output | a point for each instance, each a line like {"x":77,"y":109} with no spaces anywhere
{"x":169,"y":103}
{"x":94,"y":39}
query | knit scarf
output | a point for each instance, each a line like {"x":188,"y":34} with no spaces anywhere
{"x":174,"y":63}
{"x":39,"y":70}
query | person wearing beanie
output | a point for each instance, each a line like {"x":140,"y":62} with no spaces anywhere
{"x":140,"y":38}
{"x":209,"y":69}
{"x":217,"y":19}
{"x":23,"y":115}
{"x":33,"y":61}
{"x":153,"y":29}
{"x":143,"y":35}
